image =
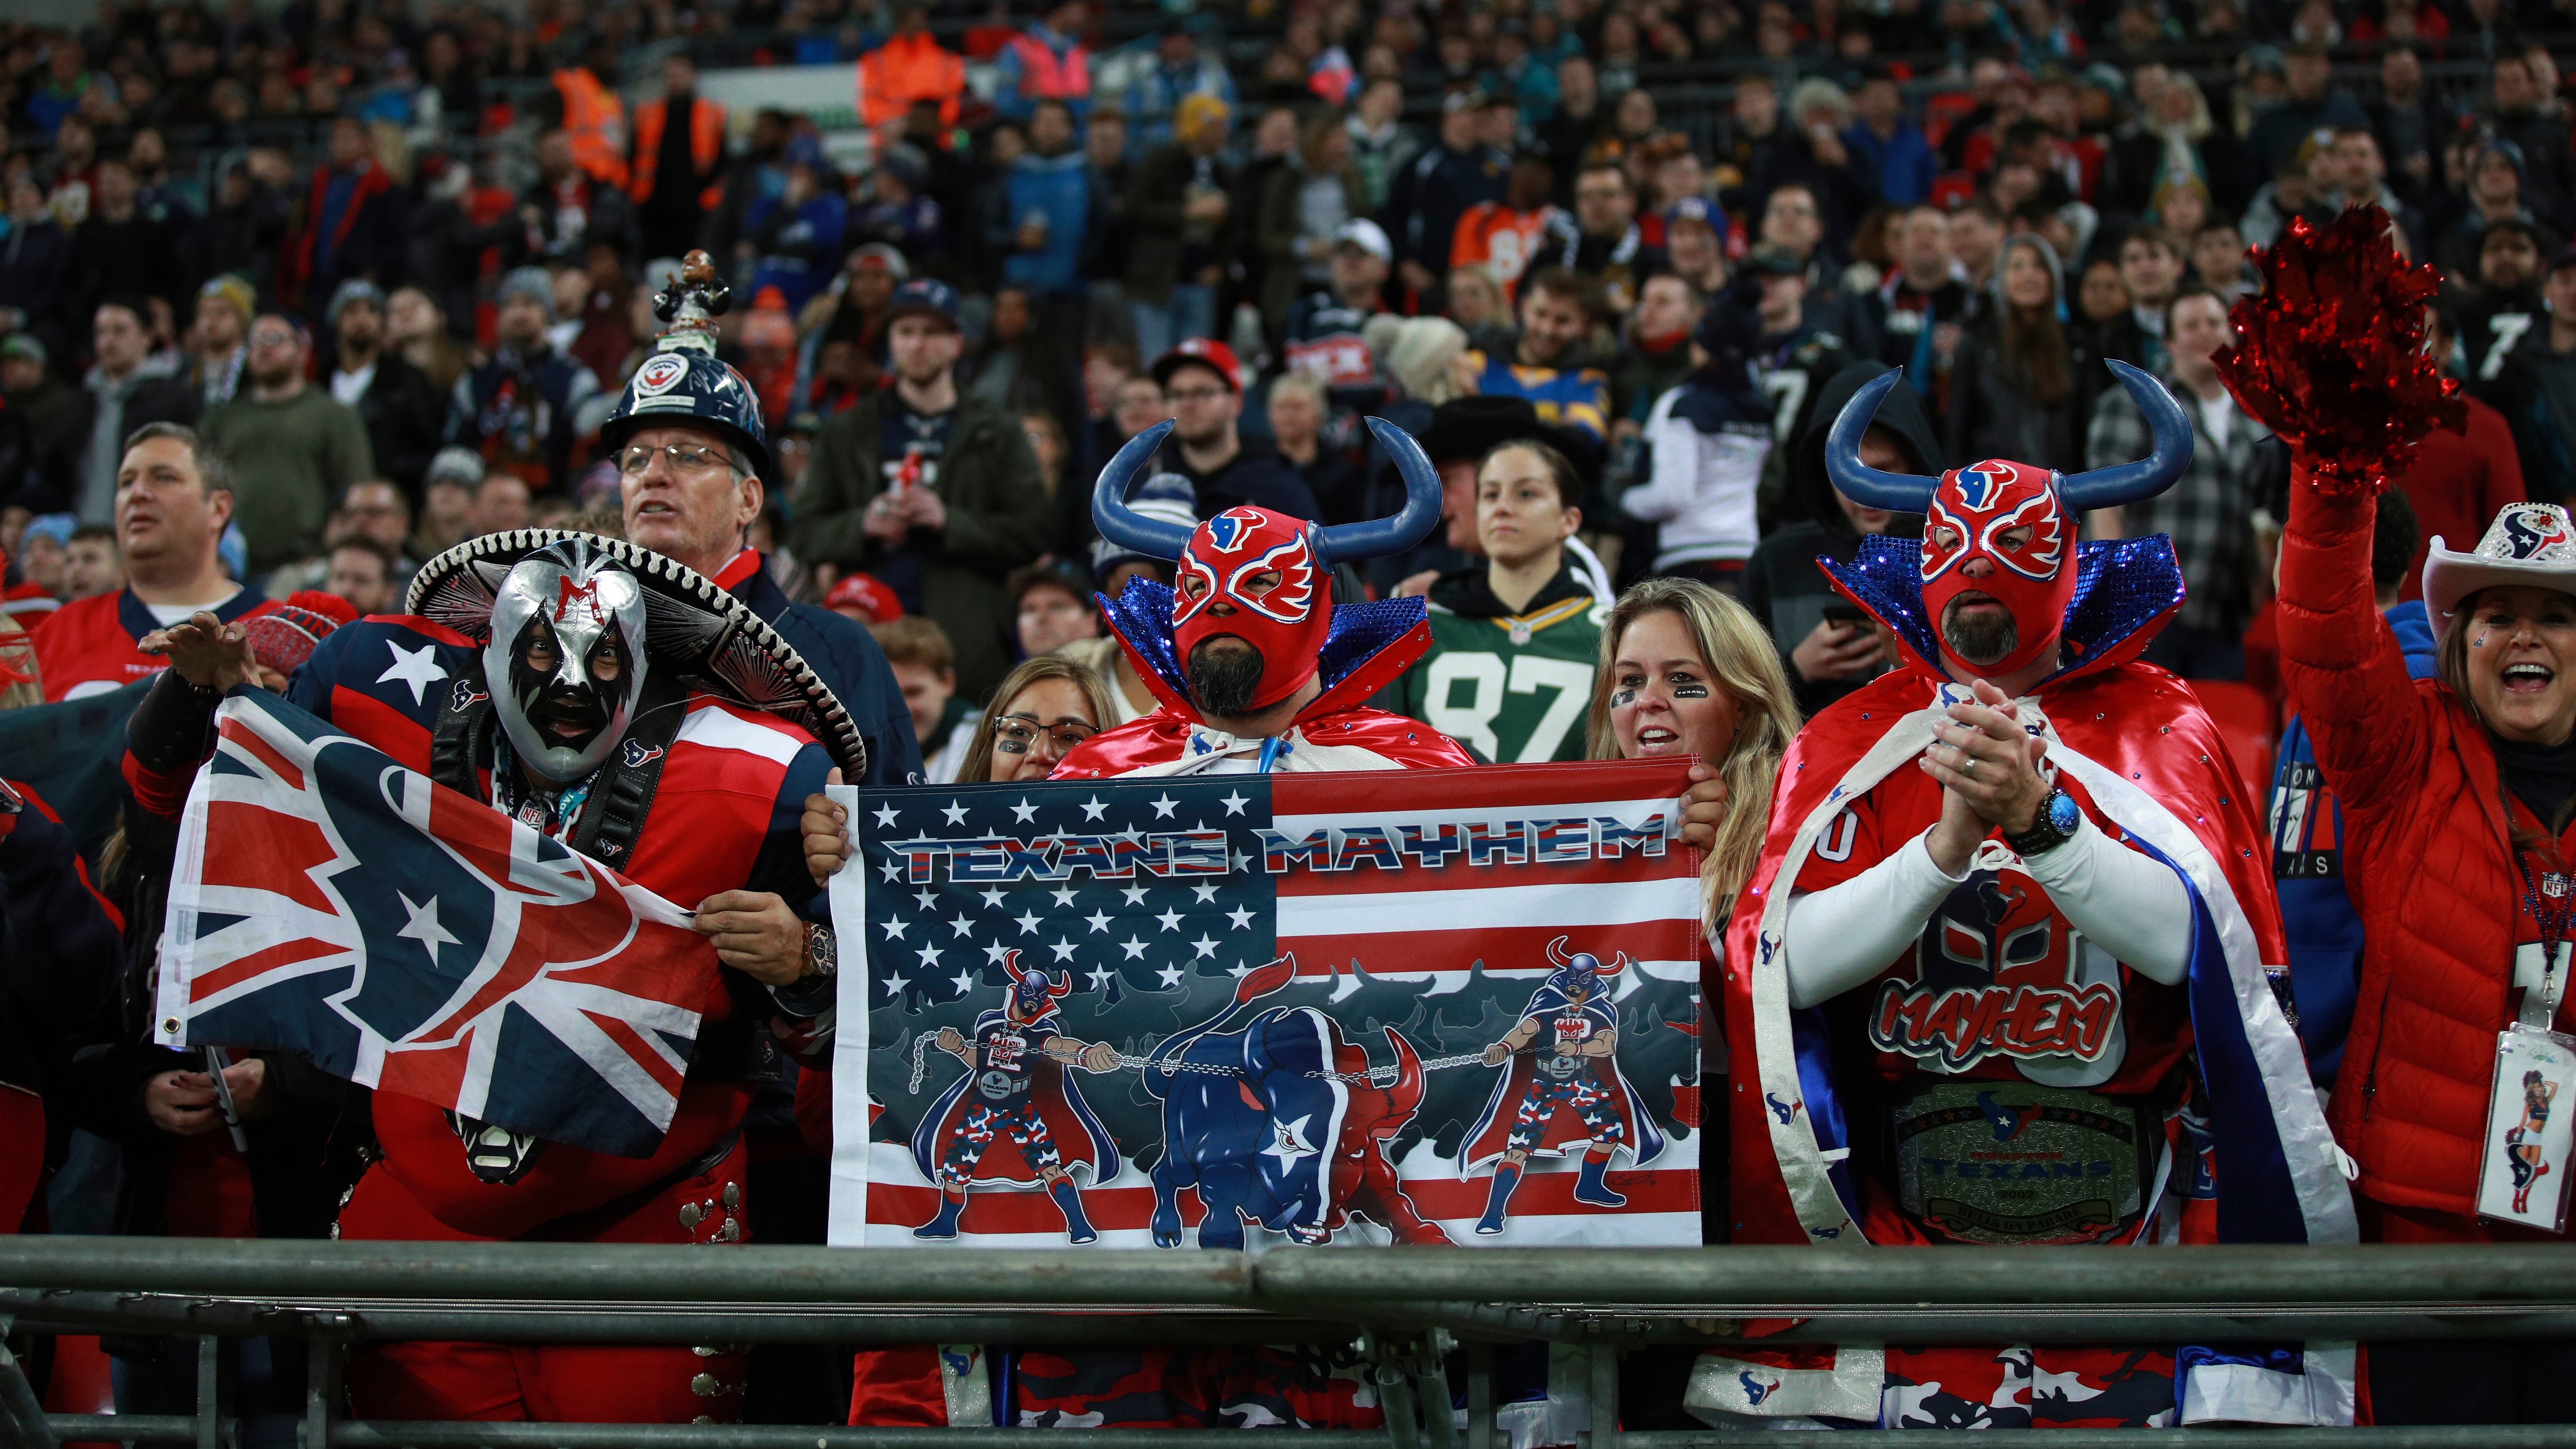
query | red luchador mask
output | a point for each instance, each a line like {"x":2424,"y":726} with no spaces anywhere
{"x":1254,"y":574}
{"x":2007,"y":530}
{"x":2009,"y":516}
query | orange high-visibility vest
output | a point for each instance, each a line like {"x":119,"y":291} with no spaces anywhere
{"x":706,"y":147}
{"x":913,"y":68}
{"x":1046,"y":76}
{"x":595,"y":119}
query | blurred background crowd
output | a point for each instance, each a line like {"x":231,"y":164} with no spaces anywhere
{"x":396,"y":261}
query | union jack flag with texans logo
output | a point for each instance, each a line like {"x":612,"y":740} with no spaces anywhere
{"x":332,"y":902}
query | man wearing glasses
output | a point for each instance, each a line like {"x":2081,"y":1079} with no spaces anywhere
{"x":1204,"y":386}
{"x":936,"y":495}
{"x":292,"y":446}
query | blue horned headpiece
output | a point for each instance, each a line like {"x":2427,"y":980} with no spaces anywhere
{"x":1033,"y":994}
{"x":1580,"y":971}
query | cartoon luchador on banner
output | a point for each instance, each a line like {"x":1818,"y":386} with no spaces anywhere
{"x":1241,"y":1010}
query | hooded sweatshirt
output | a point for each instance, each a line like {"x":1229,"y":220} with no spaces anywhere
{"x":1782,"y":585}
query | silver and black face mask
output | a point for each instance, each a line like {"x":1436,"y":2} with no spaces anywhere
{"x":565,"y":662}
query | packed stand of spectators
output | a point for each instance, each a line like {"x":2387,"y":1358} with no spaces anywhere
{"x":376,"y":276}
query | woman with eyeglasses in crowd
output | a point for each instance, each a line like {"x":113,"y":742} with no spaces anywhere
{"x":1043,"y":709}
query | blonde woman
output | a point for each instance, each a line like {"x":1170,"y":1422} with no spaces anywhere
{"x":1687,"y":671}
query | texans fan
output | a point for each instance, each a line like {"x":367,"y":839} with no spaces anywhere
{"x":2011,"y":946}
{"x":632,"y":708}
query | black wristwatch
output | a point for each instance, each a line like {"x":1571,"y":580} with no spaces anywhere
{"x":2056,"y":824}
{"x":822,"y":952}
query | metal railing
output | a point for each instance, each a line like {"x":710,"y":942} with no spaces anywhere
{"x":1404,"y":1307}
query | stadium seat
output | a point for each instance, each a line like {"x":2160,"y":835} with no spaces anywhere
{"x":2245,"y":722}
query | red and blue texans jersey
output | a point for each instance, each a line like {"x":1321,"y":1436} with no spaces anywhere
{"x":87,"y":646}
{"x":725,"y":813}
{"x":1995,"y":981}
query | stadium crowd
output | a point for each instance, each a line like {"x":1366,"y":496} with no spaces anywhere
{"x":293,"y":302}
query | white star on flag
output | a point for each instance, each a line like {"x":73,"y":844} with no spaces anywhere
{"x":1206,"y":893}
{"x":996,"y":952}
{"x":1024,"y":811}
{"x":1092,"y":808}
{"x":965,"y":983}
{"x":929,"y":955}
{"x":962,"y":925}
{"x":1135,"y":895}
{"x":894,"y":983}
{"x":1063,"y":899}
{"x":1234,"y":803}
{"x":894,"y":929}
{"x":1207,"y":948}
{"x":1099,"y":921}
{"x":893,"y":871}
{"x":1101,"y":977}
{"x":1135,"y":949}
{"x":927,"y":897}
{"x":1163,"y":805}
{"x":419,"y":670}
{"x":1027,"y":921}
{"x":955,"y":812}
{"x":886,"y":816}
{"x":1063,"y":951}
{"x":1241,"y":917}
{"x":1171,"y":920}
{"x":992,"y":900}
{"x":423,"y":925}
{"x":1171,"y":975}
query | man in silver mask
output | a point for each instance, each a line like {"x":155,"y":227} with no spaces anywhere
{"x":565,"y":660}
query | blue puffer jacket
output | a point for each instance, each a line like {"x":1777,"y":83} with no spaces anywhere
{"x":1059,"y":189}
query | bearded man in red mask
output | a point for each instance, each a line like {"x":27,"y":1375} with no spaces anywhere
{"x":2011,"y":958}
{"x":1258,"y":670}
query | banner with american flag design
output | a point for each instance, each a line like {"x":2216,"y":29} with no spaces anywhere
{"x":1439,"y":1006}
{"x":328,"y":900}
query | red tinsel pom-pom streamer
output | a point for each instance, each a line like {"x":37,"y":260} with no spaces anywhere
{"x":2330,"y":354}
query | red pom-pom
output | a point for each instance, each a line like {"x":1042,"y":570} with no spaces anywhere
{"x":2330,"y":354}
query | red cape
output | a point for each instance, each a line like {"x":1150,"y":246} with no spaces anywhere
{"x":1159,"y":738}
{"x":2150,"y":759}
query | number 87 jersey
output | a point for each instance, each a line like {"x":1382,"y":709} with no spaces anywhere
{"x":1512,"y":687}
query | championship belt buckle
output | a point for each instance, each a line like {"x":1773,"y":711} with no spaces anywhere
{"x":2003,"y":1162}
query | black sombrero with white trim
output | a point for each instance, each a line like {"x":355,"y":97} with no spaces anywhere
{"x":711,"y":639}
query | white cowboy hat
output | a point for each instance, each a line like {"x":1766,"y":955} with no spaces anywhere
{"x":2529,"y":543}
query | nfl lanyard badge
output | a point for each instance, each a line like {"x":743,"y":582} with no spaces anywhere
{"x":2523,"y":1169}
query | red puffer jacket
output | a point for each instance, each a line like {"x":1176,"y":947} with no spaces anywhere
{"x":2426,"y":858}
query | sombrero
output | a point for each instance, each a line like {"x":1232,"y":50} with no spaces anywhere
{"x":712,"y":640}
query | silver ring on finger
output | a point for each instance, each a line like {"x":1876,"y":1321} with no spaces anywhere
{"x":1967,"y":763}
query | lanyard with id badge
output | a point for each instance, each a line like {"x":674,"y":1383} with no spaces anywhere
{"x":2523,"y":1170}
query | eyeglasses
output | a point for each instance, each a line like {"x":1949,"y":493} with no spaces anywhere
{"x":688,"y":459}
{"x":1195,"y":394}
{"x":1012,"y":735}
{"x":268,"y":338}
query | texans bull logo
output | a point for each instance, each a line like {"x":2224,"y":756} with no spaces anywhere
{"x":2528,"y":531}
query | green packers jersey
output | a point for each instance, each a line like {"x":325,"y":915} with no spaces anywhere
{"x":1515,"y":690}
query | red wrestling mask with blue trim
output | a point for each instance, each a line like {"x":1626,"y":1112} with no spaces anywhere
{"x":1256,"y":575}
{"x":2002,"y":529}
{"x":1999,"y":529}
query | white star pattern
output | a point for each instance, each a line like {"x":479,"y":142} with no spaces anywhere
{"x":1024,"y":812}
{"x":1099,"y":921}
{"x":1206,"y":891}
{"x":1241,"y":917}
{"x":962,"y":925}
{"x":965,"y":983}
{"x":1171,"y":920}
{"x":1163,"y":805}
{"x":1206,"y":947}
{"x":927,"y":897}
{"x":1238,"y":970}
{"x":930,"y":955}
{"x":1135,"y":895}
{"x":893,"y":871}
{"x":886,"y":816}
{"x":996,"y":952}
{"x":1171,"y":975}
{"x":893,"y":983}
{"x":992,"y":900}
{"x":419,"y":670}
{"x":1092,"y":808}
{"x":423,"y":925}
{"x":1027,"y":921}
{"x":1063,"y":951}
{"x":1135,"y":949}
{"x":1234,"y":803}
{"x":895,"y":929}
{"x":1238,"y":862}
{"x":955,"y":812}
{"x":1063,"y":899}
